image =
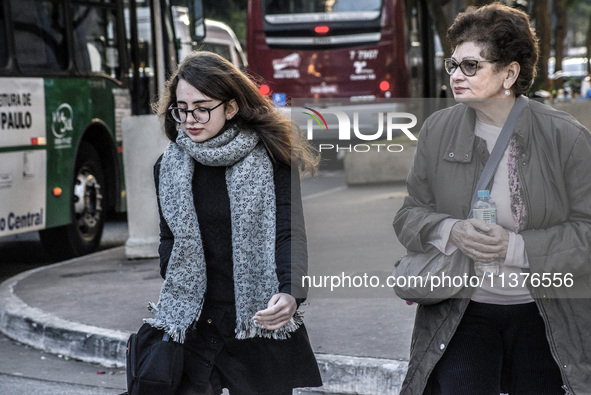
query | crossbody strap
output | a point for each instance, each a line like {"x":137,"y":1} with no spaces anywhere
{"x":499,"y":149}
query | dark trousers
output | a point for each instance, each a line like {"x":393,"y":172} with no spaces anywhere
{"x":498,"y":349}
{"x":214,"y":359}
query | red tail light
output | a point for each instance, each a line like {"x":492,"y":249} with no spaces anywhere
{"x":321,"y":29}
{"x":264,"y":90}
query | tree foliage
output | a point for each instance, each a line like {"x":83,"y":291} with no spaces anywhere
{"x":559,"y":24}
{"x":231,"y":12}
{"x":541,"y":16}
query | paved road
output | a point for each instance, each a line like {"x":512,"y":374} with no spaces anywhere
{"x":24,"y":370}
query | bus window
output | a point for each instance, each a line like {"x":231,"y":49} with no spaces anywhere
{"x":239,"y":55}
{"x":220,"y":49}
{"x":40,"y":34}
{"x":221,"y":39}
{"x":182,"y":29}
{"x":142,"y":54}
{"x":328,"y":6}
{"x":3,"y":43}
{"x":95,"y":37}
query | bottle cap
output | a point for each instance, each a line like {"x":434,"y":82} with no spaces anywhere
{"x":483,"y":193}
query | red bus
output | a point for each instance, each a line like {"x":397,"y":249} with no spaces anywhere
{"x":359,"y":50}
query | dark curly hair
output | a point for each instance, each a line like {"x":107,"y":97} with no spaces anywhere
{"x":505,"y":34}
{"x":217,"y":78}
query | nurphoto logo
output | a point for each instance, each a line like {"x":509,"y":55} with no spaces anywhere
{"x":315,"y":117}
{"x":378,"y":128}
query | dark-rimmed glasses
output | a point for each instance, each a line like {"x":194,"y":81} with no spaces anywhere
{"x":468,"y":66}
{"x":200,"y":114}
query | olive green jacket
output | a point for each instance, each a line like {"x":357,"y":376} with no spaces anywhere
{"x":554,"y":170}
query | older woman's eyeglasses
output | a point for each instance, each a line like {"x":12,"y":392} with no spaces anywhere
{"x":200,"y":114}
{"x":468,"y":66}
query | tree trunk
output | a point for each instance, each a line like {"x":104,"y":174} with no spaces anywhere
{"x":588,"y":45}
{"x":542,"y":22}
{"x":559,"y":38}
{"x":439,"y":17}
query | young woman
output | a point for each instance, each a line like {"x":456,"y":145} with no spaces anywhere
{"x":233,"y":241}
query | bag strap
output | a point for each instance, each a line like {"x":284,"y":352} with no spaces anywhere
{"x":499,"y":149}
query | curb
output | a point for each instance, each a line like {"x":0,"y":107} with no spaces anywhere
{"x":357,"y":375}
{"x":379,"y":166}
{"x":40,"y":330}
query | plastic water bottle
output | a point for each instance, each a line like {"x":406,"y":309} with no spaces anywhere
{"x":486,"y":211}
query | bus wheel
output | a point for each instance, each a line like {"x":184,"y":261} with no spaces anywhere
{"x":84,"y":234}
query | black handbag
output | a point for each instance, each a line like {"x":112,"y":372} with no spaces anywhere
{"x":154,"y":362}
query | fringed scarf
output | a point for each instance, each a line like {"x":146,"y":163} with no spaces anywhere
{"x":249,"y":179}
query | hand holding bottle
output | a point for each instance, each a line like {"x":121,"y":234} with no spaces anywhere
{"x":480,"y":241}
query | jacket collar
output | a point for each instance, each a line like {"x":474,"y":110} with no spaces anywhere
{"x":461,"y":147}
{"x":524,"y":125}
{"x":461,"y":143}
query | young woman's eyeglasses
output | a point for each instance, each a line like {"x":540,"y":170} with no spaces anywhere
{"x":200,"y":114}
{"x":468,"y":66}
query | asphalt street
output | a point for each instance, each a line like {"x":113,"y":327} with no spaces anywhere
{"x":337,"y":319}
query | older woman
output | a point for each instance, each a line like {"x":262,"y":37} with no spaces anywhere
{"x":512,"y":336}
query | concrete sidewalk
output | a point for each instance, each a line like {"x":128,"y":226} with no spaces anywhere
{"x":86,"y":308}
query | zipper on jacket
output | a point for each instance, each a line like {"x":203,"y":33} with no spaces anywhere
{"x":540,"y":301}
{"x":525,"y":192}
{"x":553,"y":349}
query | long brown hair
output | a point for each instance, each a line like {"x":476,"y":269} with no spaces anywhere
{"x":219,"y":79}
